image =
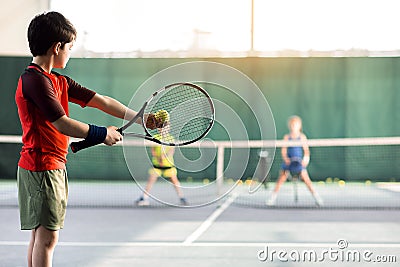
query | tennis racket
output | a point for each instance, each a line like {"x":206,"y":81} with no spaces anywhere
{"x":295,"y":169}
{"x":190,"y":116}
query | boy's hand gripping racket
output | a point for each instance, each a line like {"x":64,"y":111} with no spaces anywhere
{"x":176,"y":115}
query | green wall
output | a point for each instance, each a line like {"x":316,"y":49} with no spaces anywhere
{"x":336,"y":97}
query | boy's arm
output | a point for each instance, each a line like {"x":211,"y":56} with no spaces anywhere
{"x":156,"y":155}
{"x":115,"y":108}
{"x":86,"y":97}
{"x":74,"y":128}
{"x":284,"y":151}
{"x":171,"y":152}
{"x":111,"y":106}
{"x":306,"y":150}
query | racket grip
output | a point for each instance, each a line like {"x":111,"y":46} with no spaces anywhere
{"x":77,"y":146}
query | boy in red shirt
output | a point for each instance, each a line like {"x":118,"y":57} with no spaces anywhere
{"x":42,"y":98}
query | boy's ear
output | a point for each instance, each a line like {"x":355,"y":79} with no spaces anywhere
{"x":56,"y":48}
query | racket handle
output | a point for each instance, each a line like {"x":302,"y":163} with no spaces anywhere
{"x":77,"y":146}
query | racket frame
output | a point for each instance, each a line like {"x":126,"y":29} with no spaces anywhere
{"x":141,"y":114}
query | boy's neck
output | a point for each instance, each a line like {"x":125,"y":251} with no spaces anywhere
{"x":44,"y":62}
{"x":295,"y":134}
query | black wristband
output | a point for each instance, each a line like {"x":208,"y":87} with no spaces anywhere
{"x":96,"y":135}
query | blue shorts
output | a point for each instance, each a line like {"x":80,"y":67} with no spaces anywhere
{"x":287,"y":167}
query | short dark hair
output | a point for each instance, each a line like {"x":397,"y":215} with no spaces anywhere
{"x":49,"y":28}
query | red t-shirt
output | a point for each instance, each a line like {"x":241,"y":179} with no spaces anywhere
{"x":42,"y":98}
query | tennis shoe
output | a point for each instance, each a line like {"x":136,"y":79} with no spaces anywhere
{"x":318,"y":200}
{"x":184,"y":201}
{"x":142,"y":202}
{"x":272,"y":200}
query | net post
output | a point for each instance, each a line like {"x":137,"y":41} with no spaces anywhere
{"x":220,"y":168}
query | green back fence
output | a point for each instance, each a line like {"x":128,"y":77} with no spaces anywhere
{"x":336,"y":97}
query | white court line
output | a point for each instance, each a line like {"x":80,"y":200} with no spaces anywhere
{"x":394,"y":187}
{"x":209,"y":221}
{"x":207,"y":244}
{"x":187,"y":242}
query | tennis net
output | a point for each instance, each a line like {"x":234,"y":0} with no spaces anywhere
{"x":347,"y":173}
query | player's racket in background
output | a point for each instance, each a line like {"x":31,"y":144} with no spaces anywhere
{"x":295,"y":169}
{"x":187,"y":116}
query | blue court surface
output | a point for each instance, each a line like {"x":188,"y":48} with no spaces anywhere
{"x":221,"y":234}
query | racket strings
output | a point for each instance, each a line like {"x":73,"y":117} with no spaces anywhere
{"x":191,"y":113}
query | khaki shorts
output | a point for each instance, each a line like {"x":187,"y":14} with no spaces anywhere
{"x":42,"y":198}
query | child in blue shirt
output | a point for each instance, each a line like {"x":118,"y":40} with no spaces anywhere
{"x":290,"y":154}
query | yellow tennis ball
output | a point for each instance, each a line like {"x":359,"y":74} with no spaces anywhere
{"x":162,"y":115}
